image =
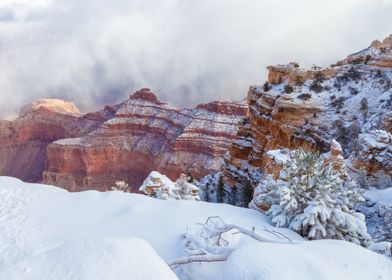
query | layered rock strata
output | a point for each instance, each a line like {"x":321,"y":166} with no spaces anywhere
{"x":144,"y":135}
{"x":23,"y":141}
{"x":308,"y":109}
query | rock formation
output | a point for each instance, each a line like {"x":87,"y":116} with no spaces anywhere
{"x":308,"y":109}
{"x":23,"y":141}
{"x":378,"y":54}
{"x":144,"y":135}
{"x":372,"y":160}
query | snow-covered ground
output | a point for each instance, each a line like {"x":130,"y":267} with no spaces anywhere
{"x":49,"y":233}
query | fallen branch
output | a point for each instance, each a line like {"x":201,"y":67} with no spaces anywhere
{"x":198,"y":258}
{"x":215,"y":248}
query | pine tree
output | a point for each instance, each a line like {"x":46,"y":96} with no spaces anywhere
{"x":311,"y":198}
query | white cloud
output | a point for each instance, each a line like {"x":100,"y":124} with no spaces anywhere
{"x":188,"y":51}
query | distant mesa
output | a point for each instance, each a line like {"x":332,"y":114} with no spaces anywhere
{"x":54,"y":105}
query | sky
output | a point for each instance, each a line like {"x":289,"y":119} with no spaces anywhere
{"x":96,"y":52}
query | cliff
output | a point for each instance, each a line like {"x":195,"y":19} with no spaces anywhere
{"x":23,"y":141}
{"x":351,"y":101}
{"x":144,"y":135}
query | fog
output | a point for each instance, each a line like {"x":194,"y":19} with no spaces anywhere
{"x":96,"y":52}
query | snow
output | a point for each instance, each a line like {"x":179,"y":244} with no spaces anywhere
{"x":382,"y":196}
{"x":37,"y":218}
{"x":315,"y":260}
{"x":95,"y":259}
{"x":279,"y":156}
{"x":384,"y":248}
{"x":49,"y":233}
{"x":156,"y":179}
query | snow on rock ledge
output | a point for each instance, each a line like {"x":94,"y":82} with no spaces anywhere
{"x":159,"y":186}
{"x":154,"y":182}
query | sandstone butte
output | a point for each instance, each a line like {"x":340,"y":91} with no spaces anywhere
{"x":351,"y":102}
{"x":52,"y":142}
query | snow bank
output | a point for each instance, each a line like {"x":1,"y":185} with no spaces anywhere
{"x":93,"y":259}
{"x":313,"y":260}
{"x":383,"y":196}
{"x":49,"y":233}
{"x":36,"y":218}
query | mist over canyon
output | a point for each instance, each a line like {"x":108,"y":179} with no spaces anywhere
{"x":189,"y":52}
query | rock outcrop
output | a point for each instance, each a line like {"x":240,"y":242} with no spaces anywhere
{"x":378,"y":54}
{"x":144,"y":135}
{"x":23,"y":141}
{"x":294,"y":75}
{"x":372,"y":160}
{"x":308,"y":109}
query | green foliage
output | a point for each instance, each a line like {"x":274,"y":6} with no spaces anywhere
{"x":288,"y":89}
{"x":266,"y":87}
{"x":312,"y":198}
{"x":305,"y":96}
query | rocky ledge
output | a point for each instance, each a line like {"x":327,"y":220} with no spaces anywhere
{"x":349,"y":102}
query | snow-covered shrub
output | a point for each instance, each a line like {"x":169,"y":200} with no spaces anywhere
{"x":159,"y":186}
{"x":311,"y":198}
{"x":185,"y":190}
{"x":121,"y":186}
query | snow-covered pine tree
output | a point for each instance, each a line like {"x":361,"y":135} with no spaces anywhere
{"x":311,"y":198}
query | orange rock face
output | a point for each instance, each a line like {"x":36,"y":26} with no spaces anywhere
{"x":23,"y":142}
{"x":145,"y":135}
{"x":293,"y":74}
{"x":273,"y":123}
{"x":345,"y":102}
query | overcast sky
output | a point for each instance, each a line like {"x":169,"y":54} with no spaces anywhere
{"x":95,"y":52}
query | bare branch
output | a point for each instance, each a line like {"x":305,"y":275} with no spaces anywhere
{"x":213,"y":247}
{"x":198,"y":258}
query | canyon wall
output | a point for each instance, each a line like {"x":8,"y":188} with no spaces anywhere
{"x":144,"y":135}
{"x":350,"y":102}
{"x":24,"y":141}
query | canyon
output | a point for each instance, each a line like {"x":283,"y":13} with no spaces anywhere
{"x":344,"y":110}
{"x":350,"y":102}
{"x":52,"y":142}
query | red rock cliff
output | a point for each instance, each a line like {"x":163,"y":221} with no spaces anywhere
{"x":145,"y":135}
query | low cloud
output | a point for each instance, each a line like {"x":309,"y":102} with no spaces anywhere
{"x":188,"y":51}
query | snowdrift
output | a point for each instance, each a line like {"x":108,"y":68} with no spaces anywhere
{"x":99,"y":259}
{"x":49,"y":233}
